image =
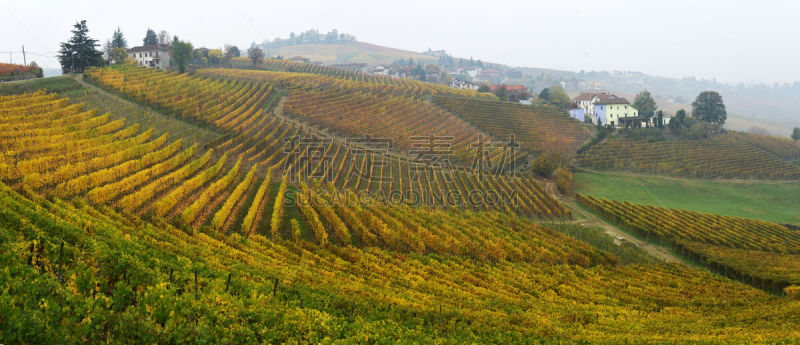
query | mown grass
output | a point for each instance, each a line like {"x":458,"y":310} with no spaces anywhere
{"x":772,"y":201}
{"x":52,"y":84}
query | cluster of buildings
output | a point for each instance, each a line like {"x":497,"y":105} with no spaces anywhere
{"x":610,"y":110}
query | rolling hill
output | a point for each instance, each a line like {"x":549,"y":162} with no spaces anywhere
{"x":347,"y":52}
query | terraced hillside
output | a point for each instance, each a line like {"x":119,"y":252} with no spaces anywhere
{"x":535,"y":128}
{"x":76,"y":273}
{"x":761,"y":253}
{"x":265,"y":139}
{"x":726,"y":156}
{"x":365,"y":107}
{"x":406,"y":87}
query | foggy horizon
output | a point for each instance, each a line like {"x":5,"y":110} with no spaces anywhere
{"x":712,"y":40}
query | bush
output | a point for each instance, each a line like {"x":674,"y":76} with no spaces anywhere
{"x":792,"y":292}
{"x":703,"y":130}
{"x":564,"y":179}
{"x":650,"y":134}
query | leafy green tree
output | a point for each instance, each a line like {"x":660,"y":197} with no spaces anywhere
{"x":181,"y":53}
{"x":709,"y":107}
{"x":500,"y":92}
{"x":118,"y":40}
{"x":680,"y":115}
{"x":214,"y":57}
{"x":418,"y":72}
{"x":559,"y":97}
{"x":675,"y":125}
{"x":118,"y":55}
{"x":645,"y":104}
{"x":256,"y":55}
{"x":150,"y":38}
{"x":545,"y":95}
{"x":484,"y":88}
{"x":796,"y":134}
{"x":80,"y":51}
{"x":232,"y":50}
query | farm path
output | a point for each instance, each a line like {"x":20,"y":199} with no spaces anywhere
{"x":586,"y":218}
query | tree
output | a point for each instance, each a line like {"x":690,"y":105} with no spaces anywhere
{"x":659,"y":119}
{"x":118,"y":55}
{"x":150,"y":38}
{"x":163,"y":38}
{"x":256,"y":55}
{"x":418,"y":72}
{"x":232,"y":50}
{"x":709,"y":107}
{"x":645,"y":104}
{"x":484,"y":88}
{"x":500,"y":92}
{"x":118,"y":40}
{"x":675,"y":125}
{"x":545,"y":95}
{"x":181,"y":53}
{"x":107,"y":50}
{"x":40,"y":73}
{"x":214,"y":57}
{"x":80,"y":51}
{"x":796,"y":134}
{"x":680,"y":115}
{"x":230,"y":53}
{"x":559,"y":97}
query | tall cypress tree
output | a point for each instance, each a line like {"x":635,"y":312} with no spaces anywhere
{"x":80,"y":51}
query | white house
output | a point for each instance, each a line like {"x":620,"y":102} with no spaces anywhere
{"x":473,"y":73}
{"x":151,"y":56}
{"x":462,"y":85}
{"x":606,"y":109}
{"x":380,"y":70}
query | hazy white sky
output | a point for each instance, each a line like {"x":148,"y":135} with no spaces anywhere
{"x":733,"y":40}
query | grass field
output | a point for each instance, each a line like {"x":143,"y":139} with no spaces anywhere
{"x":773,"y":201}
{"x":52,"y":84}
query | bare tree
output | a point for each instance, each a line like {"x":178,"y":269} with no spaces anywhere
{"x":164,"y":38}
{"x":256,"y":55}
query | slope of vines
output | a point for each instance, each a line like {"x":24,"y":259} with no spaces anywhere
{"x":758,"y":252}
{"x":726,"y":156}
{"x":534,"y":128}
{"x":79,"y":274}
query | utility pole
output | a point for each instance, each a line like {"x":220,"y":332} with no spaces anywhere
{"x":24,"y":59}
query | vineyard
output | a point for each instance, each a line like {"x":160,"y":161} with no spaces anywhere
{"x":534,"y":128}
{"x":381,"y":84}
{"x":358,"y":108}
{"x":9,"y":72}
{"x":73,"y":269}
{"x":726,"y":156}
{"x":271,"y":140}
{"x":759,"y":252}
{"x":242,"y":206}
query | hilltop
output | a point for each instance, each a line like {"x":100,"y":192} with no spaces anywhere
{"x":349,"y":51}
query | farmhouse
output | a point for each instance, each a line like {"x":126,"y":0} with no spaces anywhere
{"x":462,"y":84}
{"x":380,"y":70}
{"x":514,"y":92}
{"x":606,"y":109}
{"x":151,"y":56}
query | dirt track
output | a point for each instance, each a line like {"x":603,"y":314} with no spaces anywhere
{"x":585,"y":218}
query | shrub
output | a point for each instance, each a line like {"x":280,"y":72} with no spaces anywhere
{"x":564,"y":179}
